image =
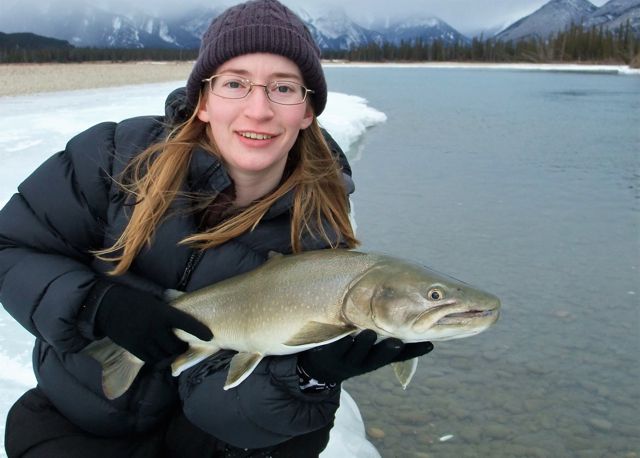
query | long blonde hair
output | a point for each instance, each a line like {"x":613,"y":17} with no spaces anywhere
{"x":155,"y":176}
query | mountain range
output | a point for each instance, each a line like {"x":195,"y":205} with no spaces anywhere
{"x":83,"y":24}
{"x":557,"y":15}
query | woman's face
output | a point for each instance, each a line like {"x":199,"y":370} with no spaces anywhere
{"x":253,"y":134}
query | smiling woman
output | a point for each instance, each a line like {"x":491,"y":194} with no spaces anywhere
{"x":94,"y":237}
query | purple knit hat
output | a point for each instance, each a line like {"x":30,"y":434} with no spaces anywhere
{"x":259,"y":26}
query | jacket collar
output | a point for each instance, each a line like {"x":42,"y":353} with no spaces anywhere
{"x":208,"y":175}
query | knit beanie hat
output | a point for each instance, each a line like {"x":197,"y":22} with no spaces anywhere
{"x":259,"y":26}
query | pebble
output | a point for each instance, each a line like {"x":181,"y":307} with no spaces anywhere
{"x":421,"y":455}
{"x":407,"y":430}
{"x":375,"y":433}
{"x":425,"y":439}
{"x":497,"y":431}
{"x":414,"y":418}
{"x":601,"y":424}
{"x":470,"y":435}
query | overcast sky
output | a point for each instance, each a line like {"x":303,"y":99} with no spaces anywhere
{"x":464,"y":15}
{"x":467,"y":16}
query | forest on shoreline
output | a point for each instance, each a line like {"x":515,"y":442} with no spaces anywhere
{"x":576,"y":44}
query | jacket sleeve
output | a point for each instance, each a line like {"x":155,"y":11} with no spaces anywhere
{"x":46,"y":232}
{"x":264,"y":410}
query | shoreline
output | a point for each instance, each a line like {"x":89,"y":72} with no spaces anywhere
{"x":32,"y":78}
{"x":586,"y":68}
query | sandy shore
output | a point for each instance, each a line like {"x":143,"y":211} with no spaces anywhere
{"x":20,"y":79}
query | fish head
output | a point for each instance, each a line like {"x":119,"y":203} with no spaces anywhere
{"x":399,"y":299}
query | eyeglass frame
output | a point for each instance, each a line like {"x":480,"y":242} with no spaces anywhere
{"x":264,"y":86}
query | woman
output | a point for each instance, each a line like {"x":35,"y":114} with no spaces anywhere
{"x":236,"y":169}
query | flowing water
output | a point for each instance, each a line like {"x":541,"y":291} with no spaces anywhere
{"x":525,"y":184}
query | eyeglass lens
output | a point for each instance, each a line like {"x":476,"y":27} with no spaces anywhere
{"x":235,"y":87}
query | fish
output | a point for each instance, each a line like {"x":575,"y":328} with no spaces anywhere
{"x":293,"y":303}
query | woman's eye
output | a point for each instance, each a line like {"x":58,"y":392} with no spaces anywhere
{"x":284,"y":88}
{"x":234,"y":84}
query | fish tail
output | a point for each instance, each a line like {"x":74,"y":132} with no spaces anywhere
{"x":119,"y":367}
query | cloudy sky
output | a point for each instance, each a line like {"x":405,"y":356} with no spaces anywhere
{"x":468,"y":16}
{"x":464,"y":15}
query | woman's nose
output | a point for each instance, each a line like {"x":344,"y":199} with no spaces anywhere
{"x":258,"y":104}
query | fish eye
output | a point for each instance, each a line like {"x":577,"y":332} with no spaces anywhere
{"x":435,"y":294}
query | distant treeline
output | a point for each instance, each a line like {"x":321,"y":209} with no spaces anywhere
{"x":67,"y":55}
{"x":576,"y":44}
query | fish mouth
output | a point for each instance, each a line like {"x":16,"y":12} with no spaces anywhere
{"x":454,"y":314}
{"x":463,"y":317}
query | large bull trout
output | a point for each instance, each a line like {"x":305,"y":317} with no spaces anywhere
{"x":293,"y":303}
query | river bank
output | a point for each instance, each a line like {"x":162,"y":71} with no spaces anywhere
{"x":23,"y":79}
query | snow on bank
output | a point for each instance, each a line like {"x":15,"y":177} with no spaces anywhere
{"x":347,"y":117}
{"x":577,"y":68}
{"x":36,"y":126}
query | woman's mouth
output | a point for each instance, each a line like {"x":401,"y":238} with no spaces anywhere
{"x":255,"y":135}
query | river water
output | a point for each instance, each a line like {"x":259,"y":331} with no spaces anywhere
{"x":527,"y":185}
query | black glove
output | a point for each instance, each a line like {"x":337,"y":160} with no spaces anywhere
{"x":143,"y":324}
{"x":351,"y":356}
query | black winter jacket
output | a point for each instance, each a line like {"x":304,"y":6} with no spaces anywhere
{"x":69,"y":206}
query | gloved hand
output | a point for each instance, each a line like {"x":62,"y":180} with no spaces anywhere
{"x":143,"y":324}
{"x":351,"y":356}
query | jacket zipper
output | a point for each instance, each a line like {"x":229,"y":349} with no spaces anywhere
{"x":188,"y":271}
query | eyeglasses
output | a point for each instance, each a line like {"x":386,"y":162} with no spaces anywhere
{"x":237,"y":87}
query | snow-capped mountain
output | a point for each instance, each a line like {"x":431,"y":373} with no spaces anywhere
{"x":84,"y":24}
{"x":552,"y":17}
{"x":557,"y":15}
{"x":333,"y":29}
{"x":425,"y":28}
{"x":615,"y":13}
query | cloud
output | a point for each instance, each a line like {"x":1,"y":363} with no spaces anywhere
{"x":465,"y":15}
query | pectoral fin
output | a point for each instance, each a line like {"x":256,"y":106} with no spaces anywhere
{"x":404,"y":371}
{"x":315,"y":332}
{"x":119,"y":367}
{"x":241,"y":367}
